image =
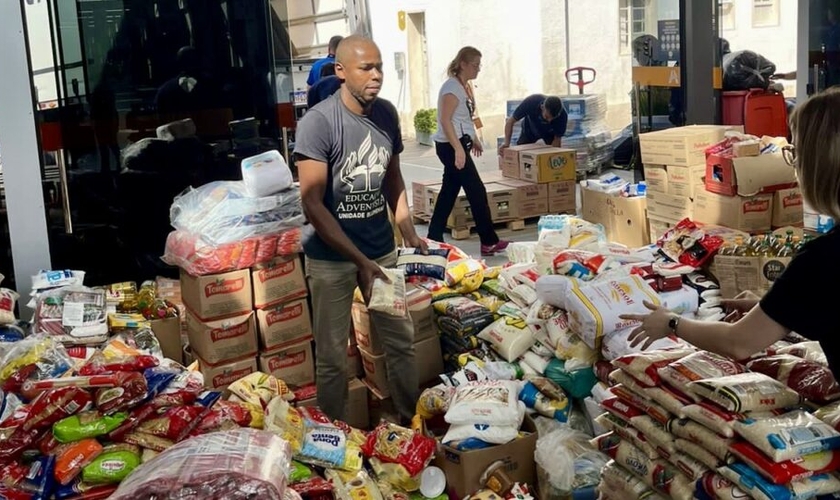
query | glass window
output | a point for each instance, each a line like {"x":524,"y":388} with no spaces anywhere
{"x":632,"y":22}
{"x":765,"y":13}
{"x":727,"y":14}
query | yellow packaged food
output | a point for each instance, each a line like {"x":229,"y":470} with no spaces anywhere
{"x":470,"y":282}
{"x":259,"y":389}
{"x":122,"y":321}
{"x":433,"y":401}
{"x":457,"y":271}
{"x":286,"y":422}
{"x":492,"y":273}
{"x":257,"y":415}
{"x":395,"y":475}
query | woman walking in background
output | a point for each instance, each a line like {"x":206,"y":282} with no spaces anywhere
{"x":454,"y":140}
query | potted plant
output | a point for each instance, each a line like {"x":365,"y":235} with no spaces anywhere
{"x":425,"y":124}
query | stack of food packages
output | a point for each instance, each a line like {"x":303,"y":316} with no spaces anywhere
{"x":76,"y":422}
{"x":545,"y":319}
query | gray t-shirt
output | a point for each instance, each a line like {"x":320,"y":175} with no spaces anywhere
{"x":357,"y":151}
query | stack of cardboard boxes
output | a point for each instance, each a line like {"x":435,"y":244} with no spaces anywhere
{"x":250,"y":319}
{"x":427,"y":349}
{"x":737,"y":188}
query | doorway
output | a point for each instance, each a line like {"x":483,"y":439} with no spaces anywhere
{"x":418,"y":61}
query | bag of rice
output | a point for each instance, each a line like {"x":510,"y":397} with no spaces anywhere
{"x":699,"y":453}
{"x":716,"y":418}
{"x":459,"y":270}
{"x":809,"y":350}
{"x":414,"y":263}
{"x":523,"y":296}
{"x":489,"y":433}
{"x":655,"y":432}
{"x":617,"y":344}
{"x":830,"y":414}
{"x":746,"y":392}
{"x":691,"y":468}
{"x":468,"y":312}
{"x":487,"y":299}
{"x":641,"y":402}
{"x":666,"y":398}
{"x":509,"y":337}
{"x":811,"y":380}
{"x":389,"y":298}
{"x":571,"y":347}
{"x":494,"y":287}
{"x":692,"y":431}
{"x":540,"y":312}
{"x":720,"y":488}
{"x":625,"y":431}
{"x":698,"y":366}
{"x":625,"y":484}
{"x":495,"y":403}
{"x":760,"y":489}
{"x":644,"y":366}
{"x":657,"y":473}
{"x":594,"y":309}
{"x":788,"y":470}
{"x":789,"y":436}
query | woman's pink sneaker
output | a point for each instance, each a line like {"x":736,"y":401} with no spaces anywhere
{"x":491,"y":250}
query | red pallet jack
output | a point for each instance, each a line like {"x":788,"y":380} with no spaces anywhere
{"x":581,"y":76}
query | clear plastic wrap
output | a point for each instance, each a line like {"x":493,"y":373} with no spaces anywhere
{"x":72,"y":315}
{"x":222,"y":212}
{"x":199,"y":257}
{"x":230,"y":465}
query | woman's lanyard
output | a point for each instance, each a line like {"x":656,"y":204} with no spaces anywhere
{"x":470,"y":101}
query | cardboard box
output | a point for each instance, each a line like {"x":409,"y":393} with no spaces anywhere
{"x":295,"y":364}
{"x":279,"y":281}
{"x":562,"y":197}
{"x":656,"y":178}
{"x":788,"y":208}
{"x":284,"y":324}
{"x":502,"y":201}
{"x":534,"y":208}
{"x":364,"y":330}
{"x":218,"y":341}
{"x":419,"y":301}
{"x":463,"y":469}
{"x":740,"y":274}
{"x":683,"y":146}
{"x":669,"y":207}
{"x":624,"y":219}
{"x":422,"y":318}
{"x":356,"y":410}
{"x":218,"y":377}
{"x":547,"y":165}
{"x":168,"y":333}
{"x":748,"y":176}
{"x":491,"y":176}
{"x":217,"y":295}
{"x":509,"y":160}
{"x":751,"y":214}
{"x":354,"y":362}
{"x":461,"y":215}
{"x":429,"y":358}
{"x":376,"y":372}
{"x":686,"y":181}
{"x":527,"y":191}
{"x":746,"y":148}
{"x":380,"y":407}
{"x":419,"y":202}
{"x":658,"y":227}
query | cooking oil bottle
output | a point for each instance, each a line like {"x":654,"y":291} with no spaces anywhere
{"x":740,"y":247}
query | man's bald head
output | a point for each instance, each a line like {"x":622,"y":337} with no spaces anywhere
{"x":352,"y":47}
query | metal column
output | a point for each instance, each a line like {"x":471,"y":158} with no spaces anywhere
{"x":20,"y":150}
{"x":803,"y":42}
{"x":699,"y":55}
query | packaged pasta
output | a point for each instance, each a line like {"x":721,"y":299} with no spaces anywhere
{"x":392,"y":443}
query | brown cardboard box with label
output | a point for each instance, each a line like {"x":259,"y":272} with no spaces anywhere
{"x":356,"y":410}
{"x":293,"y":365}
{"x":354,"y":362}
{"x":527,"y":191}
{"x":534,"y":208}
{"x":656,"y":178}
{"x":218,"y":377}
{"x":658,"y":227}
{"x":217,"y":295}
{"x":376,"y":373}
{"x":420,"y":203}
{"x":739,"y":274}
{"x":683,"y":146}
{"x":788,"y":208}
{"x":562,"y":197}
{"x":748,"y":176}
{"x":668,"y":206}
{"x":624,"y":219}
{"x":547,"y":165}
{"x":419,"y":308}
{"x":502,"y":201}
{"x":750,"y":214}
{"x":463,"y":469}
{"x":461,"y":215}
{"x":491,"y":176}
{"x":686,"y":181}
{"x":279,"y":281}
{"x":218,"y":341}
{"x":284,"y":324}
{"x":509,"y":160}
{"x":168,"y":333}
{"x":428,"y":358}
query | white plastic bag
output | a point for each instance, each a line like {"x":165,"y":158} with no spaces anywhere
{"x":389,"y":298}
{"x":266,"y":174}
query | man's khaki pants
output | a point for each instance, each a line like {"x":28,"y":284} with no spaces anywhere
{"x":331,"y":285}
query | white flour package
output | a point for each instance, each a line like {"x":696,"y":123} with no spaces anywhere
{"x":594,"y":309}
{"x":389,"y":298}
{"x":491,"y":403}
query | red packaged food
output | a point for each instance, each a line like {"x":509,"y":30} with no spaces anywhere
{"x":132,"y":390}
{"x":225,"y":412}
{"x":135,"y":418}
{"x":394,"y":444}
{"x":813,"y":381}
{"x":71,"y":458}
{"x":173,"y":422}
{"x":312,"y":488}
{"x":97,"y":365}
{"x":14,"y":383}
{"x":54,"y":405}
{"x":788,"y":470}
{"x":19,"y":441}
{"x":48,"y":443}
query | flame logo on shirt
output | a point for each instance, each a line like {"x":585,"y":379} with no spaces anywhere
{"x":363,"y":169}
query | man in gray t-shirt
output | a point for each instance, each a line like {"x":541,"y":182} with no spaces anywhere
{"x":347,"y":154}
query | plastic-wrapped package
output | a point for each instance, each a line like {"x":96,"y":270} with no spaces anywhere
{"x":265,"y":174}
{"x":198,"y":257}
{"x":230,"y":465}
{"x":811,"y":380}
{"x":745,"y":70}
{"x":73,"y":315}
{"x":222,"y":212}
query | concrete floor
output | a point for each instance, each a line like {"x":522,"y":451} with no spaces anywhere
{"x":419,"y":163}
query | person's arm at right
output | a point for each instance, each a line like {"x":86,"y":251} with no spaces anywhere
{"x":509,"y":123}
{"x":740,"y":340}
{"x":313,"y":185}
{"x":448,"y":104}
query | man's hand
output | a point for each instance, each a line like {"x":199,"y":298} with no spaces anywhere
{"x":460,"y":157}
{"x":477,"y":148}
{"x":369,"y":272}
{"x":503,"y":147}
{"x":414,"y":241}
{"x":654,"y":326}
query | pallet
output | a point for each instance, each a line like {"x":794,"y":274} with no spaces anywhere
{"x":463,"y":233}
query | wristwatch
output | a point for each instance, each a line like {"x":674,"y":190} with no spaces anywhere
{"x":674,"y":323}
